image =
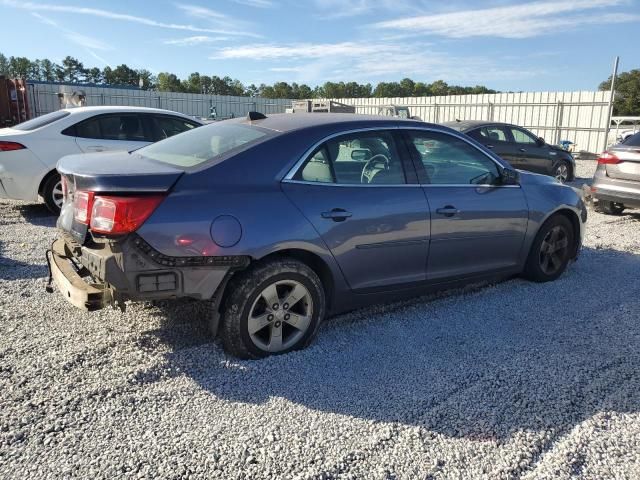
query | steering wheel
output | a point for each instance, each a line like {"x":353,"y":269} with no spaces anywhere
{"x":374,"y":165}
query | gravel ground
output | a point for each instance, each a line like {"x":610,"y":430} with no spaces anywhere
{"x":516,"y":380}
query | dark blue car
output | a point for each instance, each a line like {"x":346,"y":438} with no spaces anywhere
{"x":281,"y":221}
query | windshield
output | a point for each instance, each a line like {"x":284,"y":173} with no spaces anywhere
{"x":197,"y":146}
{"x":41,"y":121}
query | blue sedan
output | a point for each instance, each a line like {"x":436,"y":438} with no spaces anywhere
{"x":280,"y":221}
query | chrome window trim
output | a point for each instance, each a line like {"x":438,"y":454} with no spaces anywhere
{"x":293,"y":170}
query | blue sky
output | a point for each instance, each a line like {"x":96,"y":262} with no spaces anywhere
{"x":530,"y":46}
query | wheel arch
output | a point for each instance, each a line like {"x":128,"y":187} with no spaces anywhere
{"x":44,"y":179}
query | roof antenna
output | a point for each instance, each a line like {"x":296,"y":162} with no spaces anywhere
{"x":251,"y":116}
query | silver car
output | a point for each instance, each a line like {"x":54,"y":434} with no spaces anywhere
{"x":616,"y":183}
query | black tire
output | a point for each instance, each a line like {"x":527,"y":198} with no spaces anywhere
{"x":50,"y":193}
{"x":247,"y":288}
{"x":609,"y":208}
{"x":535,"y":269}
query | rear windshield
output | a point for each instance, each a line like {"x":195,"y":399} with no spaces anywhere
{"x":633,"y":140}
{"x":41,"y":121}
{"x":202,"y":144}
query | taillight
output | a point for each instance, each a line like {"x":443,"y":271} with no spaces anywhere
{"x":82,"y":202}
{"x":608,"y":159}
{"x":10,"y":146}
{"x":120,"y":215}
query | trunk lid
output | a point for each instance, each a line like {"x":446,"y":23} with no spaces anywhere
{"x":629,"y":166}
{"x":113,"y":173}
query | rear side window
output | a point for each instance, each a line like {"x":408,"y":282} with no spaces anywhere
{"x":42,"y":121}
{"x":633,"y":140}
{"x":355,"y":159}
{"x":111,"y":127}
{"x":165,"y":126}
{"x":490,"y":134}
{"x":203,"y":144}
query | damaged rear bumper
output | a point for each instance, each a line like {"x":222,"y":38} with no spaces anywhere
{"x":94,"y":276}
{"x":70,"y":281}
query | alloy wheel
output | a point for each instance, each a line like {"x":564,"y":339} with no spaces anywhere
{"x":554,"y":250}
{"x":562,"y":172}
{"x":57,"y":194}
{"x":280,"y":316}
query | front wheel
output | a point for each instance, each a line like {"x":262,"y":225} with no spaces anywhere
{"x":271,"y":309}
{"x":562,"y":172}
{"x":52,"y":193}
{"x":551,"y":250}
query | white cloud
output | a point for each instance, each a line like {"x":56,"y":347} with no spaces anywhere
{"x":96,"y":12}
{"x":332,"y":9}
{"x":515,"y":21}
{"x":256,"y":3}
{"x":195,"y":40}
{"x":85,"y":41}
{"x":300,"y":50}
{"x":216,"y":19}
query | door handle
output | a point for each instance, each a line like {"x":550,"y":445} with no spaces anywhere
{"x":489,"y":146}
{"x":522,"y":150}
{"x":448,"y":211}
{"x":96,"y":148}
{"x":337,"y":214}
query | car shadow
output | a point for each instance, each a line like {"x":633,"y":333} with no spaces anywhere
{"x":37,"y":214}
{"x":480,"y":363}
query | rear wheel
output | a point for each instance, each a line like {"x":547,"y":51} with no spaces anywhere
{"x":272,"y":309}
{"x":551,"y":250}
{"x":52,"y":193}
{"x":609,"y":208}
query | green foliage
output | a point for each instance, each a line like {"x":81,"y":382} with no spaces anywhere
{"x":627,"y":99}
{"x":72,"y":70}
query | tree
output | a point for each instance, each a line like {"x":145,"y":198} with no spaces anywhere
{"x":627,"y":99}
{"x":169,"y":82}
{"x":94,"y":75}
{"x":4,"y":65}
{"x":19,"y":67}
{"x":73,"y":70}
{"x":47,"y":70}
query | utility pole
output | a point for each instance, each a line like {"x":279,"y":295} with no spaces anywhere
{"x":610,"y":107}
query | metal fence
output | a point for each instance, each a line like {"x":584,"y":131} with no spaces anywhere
{"x":44,"y":98}
{"x":580,"y":117}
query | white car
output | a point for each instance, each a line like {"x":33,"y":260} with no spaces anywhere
{"x":30,"y":151}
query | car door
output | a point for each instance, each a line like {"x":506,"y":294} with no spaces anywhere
{"x":498,"y":139}
{"x":373,"y":219}
{"x":477,"y":224}
{"x":533,"y":153}
{"x":111,"y":131}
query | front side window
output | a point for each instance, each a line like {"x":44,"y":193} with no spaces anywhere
{"x":355,"y":159}
{"x":202,"y":144}
{"x":520,"y":136}
{"x":449,"y":160}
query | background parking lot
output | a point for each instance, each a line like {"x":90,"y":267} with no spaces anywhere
{"x":515,"y":380}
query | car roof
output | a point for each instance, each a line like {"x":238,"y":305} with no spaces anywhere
{"x":465,"y":125}
{"x":286,"y":122}
{"x":121,"y":108}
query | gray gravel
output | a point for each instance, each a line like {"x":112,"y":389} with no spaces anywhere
{"x":516,"y":380}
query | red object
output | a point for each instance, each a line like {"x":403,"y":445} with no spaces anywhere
{"x":120,"y":215}
{"x":608,"y":159}
{"x":82,"y":202}
{"x":10,"y":146}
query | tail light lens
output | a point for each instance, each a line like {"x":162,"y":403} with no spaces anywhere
{"x":608,"y":159}
{"x":120,"y":215}
{"x":82,"y":202}
{"x":10,"y":146}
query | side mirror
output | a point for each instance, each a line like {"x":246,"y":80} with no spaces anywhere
{"x":509,"y":177}
{"x":541,"y":142}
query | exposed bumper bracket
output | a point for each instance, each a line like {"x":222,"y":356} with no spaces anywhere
{"x":85,"y":296}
